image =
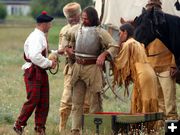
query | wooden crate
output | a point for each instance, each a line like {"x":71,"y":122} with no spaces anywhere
{"x":110,"y":123}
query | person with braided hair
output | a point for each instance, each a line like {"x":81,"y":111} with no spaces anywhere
{"x":131,"y":65}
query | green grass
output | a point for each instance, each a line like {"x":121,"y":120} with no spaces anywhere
{"x":12,"y":89}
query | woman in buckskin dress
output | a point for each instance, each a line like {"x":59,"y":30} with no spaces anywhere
{"x":131,"y":65}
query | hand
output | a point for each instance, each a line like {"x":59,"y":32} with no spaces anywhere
{"x":173,"y":72}
{"x":54,"y":63}
{"x":101,"y":59}
{"x":69,"y":51}
{"x":60,"y":51}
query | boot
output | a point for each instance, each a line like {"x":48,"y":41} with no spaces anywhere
{"x":63,"y":119}
{"x":40,"y":130}
{"x":75,"y":132}
{"x":86,"y":110}
{"x":18,"y":128}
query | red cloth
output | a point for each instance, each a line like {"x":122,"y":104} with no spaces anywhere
{"x":37,"y":89}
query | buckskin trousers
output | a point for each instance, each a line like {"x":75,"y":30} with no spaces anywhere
{"x":95,"y":101}
{"x":167,"y":95}
{"x":66,"y":103}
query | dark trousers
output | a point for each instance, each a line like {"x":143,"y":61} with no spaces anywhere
{"x":37,"y":89}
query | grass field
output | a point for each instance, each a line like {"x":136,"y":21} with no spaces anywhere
{"x":12,"y":90}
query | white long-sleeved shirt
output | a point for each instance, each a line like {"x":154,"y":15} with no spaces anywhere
{"x":34,"y":45}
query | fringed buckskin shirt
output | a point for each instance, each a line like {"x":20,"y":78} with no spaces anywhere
{"x":159,"y":56}
{"x":131,"y":65}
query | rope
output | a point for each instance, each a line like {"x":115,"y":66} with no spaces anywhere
{"x":57,"y":69}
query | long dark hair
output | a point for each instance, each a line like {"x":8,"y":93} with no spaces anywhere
{"x":92,"y":15}
{"x":129,"y":28}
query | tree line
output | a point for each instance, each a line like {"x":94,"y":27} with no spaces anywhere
{"x":53,"y":7}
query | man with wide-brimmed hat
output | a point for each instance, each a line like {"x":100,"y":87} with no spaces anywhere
{"x":163,"y":62}
{"x":35,"y":76}
{"x":72,"y":13}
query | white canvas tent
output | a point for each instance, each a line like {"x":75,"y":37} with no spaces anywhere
{"x":128,"y":9}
